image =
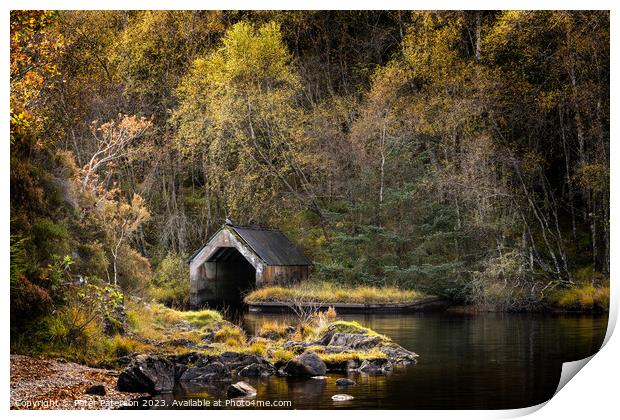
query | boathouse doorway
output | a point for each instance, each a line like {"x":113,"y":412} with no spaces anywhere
{"x":234,"y":276}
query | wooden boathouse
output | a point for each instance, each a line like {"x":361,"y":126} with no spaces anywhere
{"x":238,"y":259}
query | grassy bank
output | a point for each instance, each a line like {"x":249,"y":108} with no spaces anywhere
{"x":585,"y":298}
{"x":149,"y":328}
{"x":331,"y":293}
{"x":156,"y":329}
{"x":582,"y":297}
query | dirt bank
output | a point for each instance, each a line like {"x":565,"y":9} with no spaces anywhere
{"x":40,"y":384}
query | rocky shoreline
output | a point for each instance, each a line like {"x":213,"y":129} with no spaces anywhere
{"x":158,"y":374}
{"x":341,"y":347}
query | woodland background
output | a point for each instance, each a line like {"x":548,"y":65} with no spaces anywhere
{"x":464,"y":154}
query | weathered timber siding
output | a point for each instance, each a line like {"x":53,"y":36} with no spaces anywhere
{"x":284,"y":274}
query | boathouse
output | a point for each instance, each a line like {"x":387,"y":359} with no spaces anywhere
{"x":238,"y":259}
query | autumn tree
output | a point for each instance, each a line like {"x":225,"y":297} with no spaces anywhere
{"x":121,"y":220}
{"x":238,"y":113}
{"x":35,"y":50}
{"x":112,"y":142}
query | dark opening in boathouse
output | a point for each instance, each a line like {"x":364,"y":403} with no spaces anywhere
{"x":238,"y":259}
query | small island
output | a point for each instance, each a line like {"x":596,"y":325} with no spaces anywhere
{"x":322,"y":295}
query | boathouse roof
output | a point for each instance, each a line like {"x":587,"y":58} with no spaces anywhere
{"x":271,"y":245}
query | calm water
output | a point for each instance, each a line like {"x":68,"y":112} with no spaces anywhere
{"x":487,"y":361}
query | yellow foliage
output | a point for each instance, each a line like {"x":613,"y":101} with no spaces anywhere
{"x":281,"y":355}
{"x":354,"y":355}
{"x":122,"y":346}
{"x":269,"y":328}
{"x":584,"y":297}
{"x":231,"y":335}
{"x":258,"y":348}
{"x":248,"y":79}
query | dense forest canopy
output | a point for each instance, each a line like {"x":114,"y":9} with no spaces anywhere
{"x":464,"y":154}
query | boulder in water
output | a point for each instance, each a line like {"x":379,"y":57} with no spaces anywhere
{"x":306,"y":364}
{"x":150,"y":374}
{"x":375,"y":366}
{"x":344,"y":382}
{"x":240,"y":390}
{"x":256,"y":370}
{"x":214,"y":371}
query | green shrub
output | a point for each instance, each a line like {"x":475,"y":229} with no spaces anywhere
{"x":92,"y":260}
{"x":171,"y":281}
{"x":134,"y":270}
{"x":28,"y":300}
{"x":71,"y":333}
{"x":72,"y":325}
{"x":18,"y":263}
{"x":50,"y":238}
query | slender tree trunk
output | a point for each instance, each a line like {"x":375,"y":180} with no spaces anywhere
{"x":559,"y":240}
{"x":207,"y":180}
{"x":592,"y":205}
{"x":571,"y":194}
{"x":381,"y":176}
{"x":114,"y":267}
{"x":542,"y":222}
{"x":478,"y":34}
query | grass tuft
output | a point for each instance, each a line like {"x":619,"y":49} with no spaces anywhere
{"x":202,"y":319}
{"x":352,"y":327}
{"x":281,"y":355}
{"x":231,"y":335}
{"x":581,"y":298}
{"x":273,"y":329}
{"x":336,"y":358}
